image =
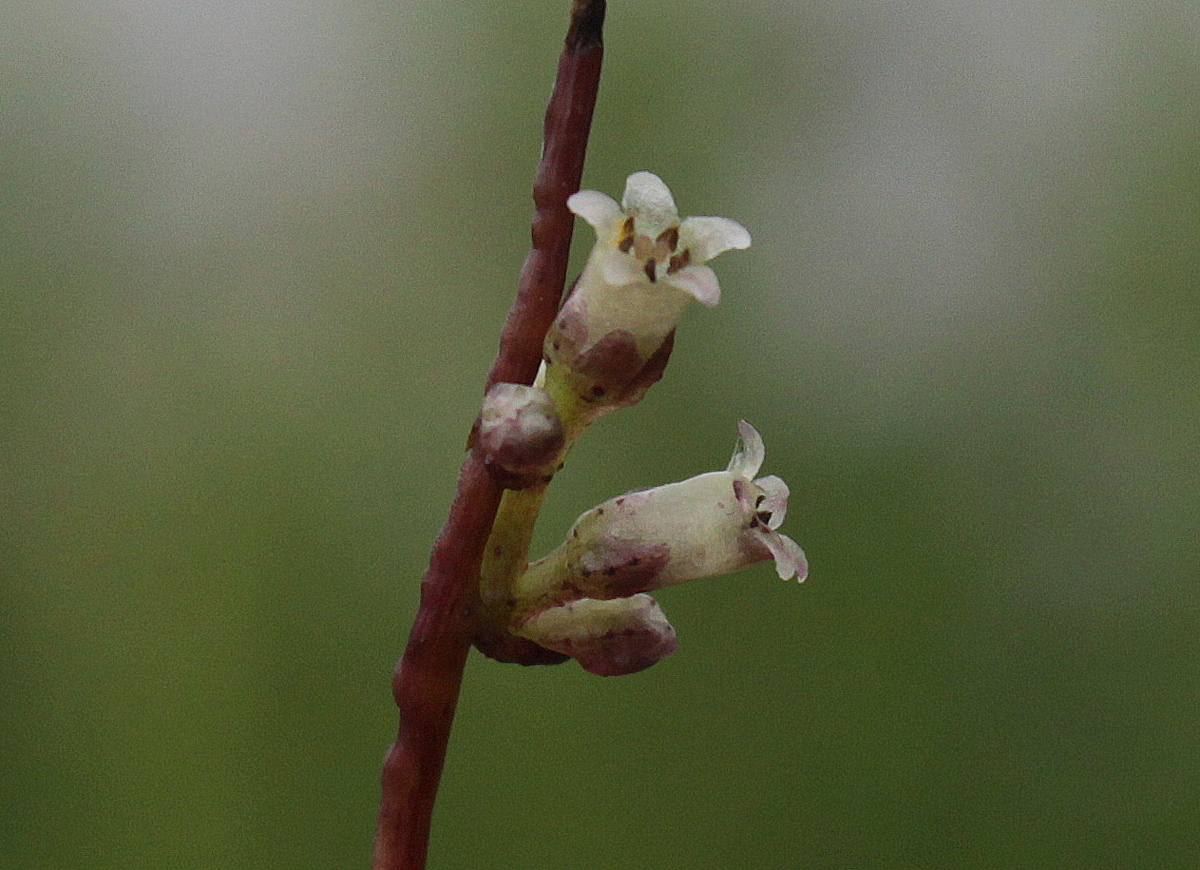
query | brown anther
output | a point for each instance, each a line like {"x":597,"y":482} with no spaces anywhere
{"x":670,"y":236}
{"x":650,"y":270}
{"x":626,"y":237}
{"x":679,"y":261}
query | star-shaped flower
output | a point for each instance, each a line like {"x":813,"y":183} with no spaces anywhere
{"x":767,"y":499}
{"x":642,"y":240}
{"x":611,"y":340}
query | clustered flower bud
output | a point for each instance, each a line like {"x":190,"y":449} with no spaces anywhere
{"x":608,"y":344}
{"x":520,"y":435}
{"x":707,"y":525}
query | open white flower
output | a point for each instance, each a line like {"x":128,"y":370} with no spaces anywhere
{"x":706,"y":525}
{"x":642,"y":240}
{"x":613,"y":334}
{"x":767,"y":498}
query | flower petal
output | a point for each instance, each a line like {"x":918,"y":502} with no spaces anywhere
{"x":598,"y":209}
{"x":746,"y":494}
{"x":648,"y":198}
{"x":699,"y":282}
{"x":706,"y":237}
{"x":749,"y":453}
{"x":775,"y":498}
{"x":790,"y":560}
{"x":618,"y":270}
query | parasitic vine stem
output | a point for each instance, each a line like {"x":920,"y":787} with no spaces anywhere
{"x":428,"y":677}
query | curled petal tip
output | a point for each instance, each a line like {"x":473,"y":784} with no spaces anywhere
{"x":775,"y":500}
{"x":749,"y":454}
{"x":700,"y":282}
{"x":709,"y":236}
{"x":646,"y":192}
{"x":790,"y":560}
{"x":598,"y":209}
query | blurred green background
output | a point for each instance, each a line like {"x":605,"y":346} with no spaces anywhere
{"x":254,"y":258}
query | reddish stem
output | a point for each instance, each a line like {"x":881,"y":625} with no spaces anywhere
{"x":428,"y":677}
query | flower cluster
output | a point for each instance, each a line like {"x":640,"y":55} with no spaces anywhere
{"x":609,"y":343}
{"x":585,"y":598}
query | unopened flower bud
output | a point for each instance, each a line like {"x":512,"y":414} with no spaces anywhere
{"x":608,"y":638}
{"x":520,"y":435}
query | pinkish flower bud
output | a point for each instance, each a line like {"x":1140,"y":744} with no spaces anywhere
{"x":520,"y":435}
{"x":608,"y":638}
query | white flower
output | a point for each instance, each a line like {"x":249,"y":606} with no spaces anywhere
{"x":642,"y":241}
{"x":612,"y":337}
{"x":706,"y":525}
{"x":585,"y":598}
{"x":767,"y":498}
{"x":709,"y":524}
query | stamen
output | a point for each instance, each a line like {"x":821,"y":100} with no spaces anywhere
{"x":650,"y":270}
{"x":626,"y":236}
{"x":670,"y":236}
{"x":761,"y":516}
{"x":680,"y":260}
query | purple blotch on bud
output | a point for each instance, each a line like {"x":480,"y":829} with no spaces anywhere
{"x":520,"y":435}
{"x":608,"y":638}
